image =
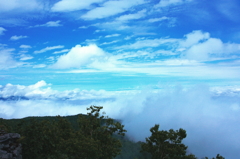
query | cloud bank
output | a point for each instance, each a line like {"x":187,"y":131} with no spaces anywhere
{"x":209,"y":115}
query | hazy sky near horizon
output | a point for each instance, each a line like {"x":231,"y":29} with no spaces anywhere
{"x":170,"y":62}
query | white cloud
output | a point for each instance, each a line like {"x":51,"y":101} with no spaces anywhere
{"x":152,"y":20}
{"x":112,"y":35}
{"x":25,"y":47}
{"x":10,"y":5}
{"x":34,"y":90}
{"x":50,"y":24}
{"x":2,"y":30}
{"x":7,"y":60}
{"x":48,"y":49}
{"x":42,"y":90}
{"x":194,"y":37}
{"x":111,"y":8}
{"x":25,"y":57}
{"x":79,"y":56}
{"x":149,"y":43}
{"x":72,"y":5}
{"x":202,"y":51}
{"x":137,"y":15}
{"x":198,"y":45}
{"x":40,"y":66}
{"x":165,"y":3}
{"x":111,"y":42}
{"x":209,"y":119}
{"x":83,"y":27}
{"x":61,"y":51}
{"x":15,"y":37}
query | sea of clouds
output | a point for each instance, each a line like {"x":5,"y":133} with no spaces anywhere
{"x":211,"y":116}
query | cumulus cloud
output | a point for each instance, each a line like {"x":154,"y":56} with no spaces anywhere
{"x":203,"y":51}
{"x":210,"y":116}
{"x":199,"y":45}
{"x":2,"y":30}
{"x":48,"y":49}
{"x":43,"y":90}
{"x":72,"y":5}
{"x":15,"y":37}
{"x":79,"y":56}
{"x":194,"y":38}
{"x":110,"y":8}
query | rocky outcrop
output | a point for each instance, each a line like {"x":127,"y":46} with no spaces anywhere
{"x":9,"y":146}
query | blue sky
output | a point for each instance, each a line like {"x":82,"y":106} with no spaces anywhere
{"x":172,"y":62}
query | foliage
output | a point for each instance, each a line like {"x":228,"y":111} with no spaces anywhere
{"x":101,"y":129}
{"x":166,"y":144}
{"x":92,"y":136}
{"x":3,"y":126}
{"x":58,"y":139}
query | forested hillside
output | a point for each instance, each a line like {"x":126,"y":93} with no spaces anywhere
{"x":92,"y":136}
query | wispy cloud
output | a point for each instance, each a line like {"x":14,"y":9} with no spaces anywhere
{"x":138,"y":15}
{"x":10,"y":5}
{"x":25,"y":47}
{"x":110,"y":8}
{"x":48,"y":49}
{"x":165,"y":3}
{"x":40,"y":66}
{"x":72,"y":5}
{"x":83,"y":27}
{"x":50,"y":24}
{"x":61,"y":51}
{"x":142,"y":43}
{"x":112,"y":35}
{"x":7,"y":60}
{"x":152,"y":20}
{"x":24,"y":57}
{"x":2,"y":30}
{"x":15,"y":37}
{"x":111,"y":42}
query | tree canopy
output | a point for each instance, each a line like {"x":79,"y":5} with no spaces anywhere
{"x":57,"y":139}
{"x":93,"y":136}
{"x":166,"y":144}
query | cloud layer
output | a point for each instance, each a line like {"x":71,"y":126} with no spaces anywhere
{"x":209,"y":115}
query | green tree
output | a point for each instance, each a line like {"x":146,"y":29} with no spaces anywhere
{"x":57,"y":139}
{"x":4,"y":127}
{"x":101,"y":130}
{"x":166,"y":144}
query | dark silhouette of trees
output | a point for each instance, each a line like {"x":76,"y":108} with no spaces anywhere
{"x":166,"y":144}
{"x":57,"y":139}
{"x":217,"y":157}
